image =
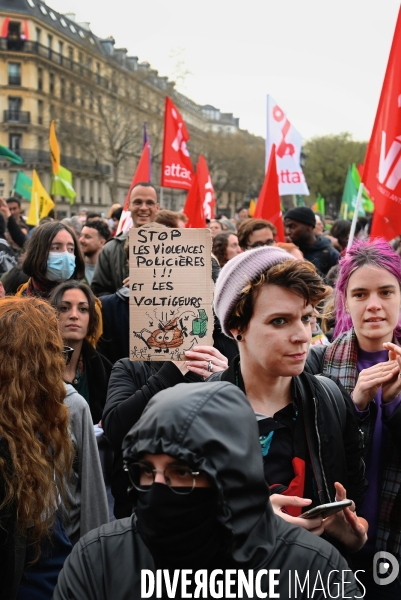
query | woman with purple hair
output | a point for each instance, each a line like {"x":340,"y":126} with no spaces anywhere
{"x":365,"y":358}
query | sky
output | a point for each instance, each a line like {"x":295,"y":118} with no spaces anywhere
{"x":322,"y":61}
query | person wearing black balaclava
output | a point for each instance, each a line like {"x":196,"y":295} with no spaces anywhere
{"x":169,"y":523}
{"x":202,"y":502}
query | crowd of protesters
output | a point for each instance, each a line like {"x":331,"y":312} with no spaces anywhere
{"x":110,"y":466}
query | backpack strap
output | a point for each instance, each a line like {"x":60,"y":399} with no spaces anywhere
{"x":335,"y":396}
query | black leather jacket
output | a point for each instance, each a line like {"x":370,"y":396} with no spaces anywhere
{"x":335,"y":452}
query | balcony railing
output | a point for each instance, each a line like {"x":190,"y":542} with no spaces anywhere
{"x":30,"y":47}
{"x":78,"y":164}
{"x":14,"y":80}
{"x":17,"y":116}
{"x":35,"y":156}
{"x":69,"y":162}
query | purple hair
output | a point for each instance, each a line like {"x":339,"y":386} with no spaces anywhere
{"x":375,"y":252}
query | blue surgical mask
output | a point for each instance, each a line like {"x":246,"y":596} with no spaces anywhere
{"x":60,"y":266}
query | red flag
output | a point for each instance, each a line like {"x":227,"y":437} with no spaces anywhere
{"x":142,"y":172}
{"x":382,"y":170}
{"x":193,"y":206}
{"x":205,"y":188}
{"x":177,"y":170}
{"x":268,"y":205}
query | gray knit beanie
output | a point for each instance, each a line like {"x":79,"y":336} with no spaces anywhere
{"x":238,"y":273}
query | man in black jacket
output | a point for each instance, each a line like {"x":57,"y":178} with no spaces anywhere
{"x":217,"y":517}
{"x":299,"y":224}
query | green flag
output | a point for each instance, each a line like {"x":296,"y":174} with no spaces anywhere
{"x":10,"y":155}
{"x":23,"y":185}
{"x":62,"y":184}
{"x":367,"y":203}
{"x":350,"y":195}
{"x":319,"y":205}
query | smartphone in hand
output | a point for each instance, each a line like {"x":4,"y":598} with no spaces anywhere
{"x":325,"y":510}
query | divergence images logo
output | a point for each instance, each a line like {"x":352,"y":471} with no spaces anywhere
{"x":385,"y":568}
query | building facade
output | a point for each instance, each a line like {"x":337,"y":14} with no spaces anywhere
{"x":52,"y":67}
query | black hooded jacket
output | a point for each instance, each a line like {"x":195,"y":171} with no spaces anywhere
{"x":321,"y":254}
{"x":213,"y":428}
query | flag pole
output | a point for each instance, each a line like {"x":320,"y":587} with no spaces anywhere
{"x":354,"y":218}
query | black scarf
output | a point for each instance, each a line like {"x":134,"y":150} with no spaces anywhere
{"x":181,"y":531}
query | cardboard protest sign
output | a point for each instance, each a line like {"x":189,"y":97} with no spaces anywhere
{"x":171,"y":291}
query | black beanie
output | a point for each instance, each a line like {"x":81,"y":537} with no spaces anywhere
{"x":302,"y":214}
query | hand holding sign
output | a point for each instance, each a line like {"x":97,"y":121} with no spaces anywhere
{"x":205,"y":360}
{"x":171,"y":291}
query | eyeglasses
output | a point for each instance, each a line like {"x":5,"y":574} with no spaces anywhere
{"x":260,"y":244}
{"x":179,"y":478}
{"x":67,"y":353}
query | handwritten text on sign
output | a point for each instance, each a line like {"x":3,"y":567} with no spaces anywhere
{"x":171,"y":291}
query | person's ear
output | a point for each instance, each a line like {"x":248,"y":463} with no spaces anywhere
{"x":237,"y":334}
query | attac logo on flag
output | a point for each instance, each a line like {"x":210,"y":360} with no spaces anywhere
{"x":288,"y":142}
{"x":382,"y":170}
{"x":205,"y":188}
{"x":177,"y":168}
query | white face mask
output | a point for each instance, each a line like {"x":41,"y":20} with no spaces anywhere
{"x":60,"y":266}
